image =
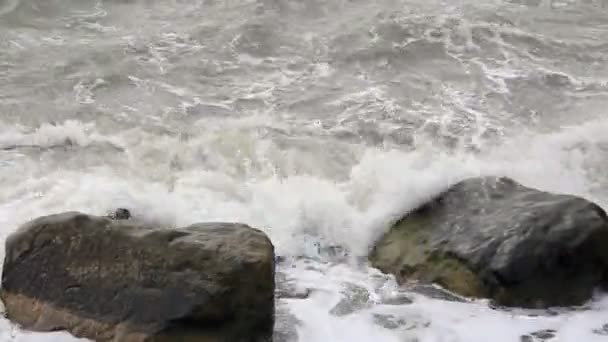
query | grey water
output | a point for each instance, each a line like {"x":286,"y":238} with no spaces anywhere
{"x":317,"y":121}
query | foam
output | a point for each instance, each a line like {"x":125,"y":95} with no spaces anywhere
{"x":284,"y":173}
{"x":299,"y":211}
{"x":299,"y":200}
{"x":425,"y":319}
{"x":52,"y":134}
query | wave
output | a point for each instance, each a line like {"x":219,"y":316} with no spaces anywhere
{"x":325,"y":197}
{"x":53,"y":135}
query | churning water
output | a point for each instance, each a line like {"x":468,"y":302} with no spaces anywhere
{"x":318,"y":121}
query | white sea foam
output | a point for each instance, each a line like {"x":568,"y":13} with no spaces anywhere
{"x":299,"y":212}
{"x":286,"y":169}
{"x":48,"y":135}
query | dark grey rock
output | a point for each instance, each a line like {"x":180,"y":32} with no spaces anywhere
{"x":121,"y":214}
{"x":544,"y":334}
{"x":294,"y":293}
{"x":492,"y":237}
{"x":388,"y":321}
{"x":354,"y":298}
{"x":279,"y":259}
{"x":539,"y":336}
{"x":115,"y":280}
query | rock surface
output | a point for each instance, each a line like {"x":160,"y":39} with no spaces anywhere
{"x":494,"y":238}
{"x":117,"y":280}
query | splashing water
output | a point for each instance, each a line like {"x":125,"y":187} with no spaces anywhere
{"x":319,"y":122}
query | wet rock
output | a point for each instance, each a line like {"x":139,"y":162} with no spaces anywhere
{"x":436,"y":292}
{"x":407,"y":323}
{"x":539,"y":336}
{"x":602,"y":331}
{"x":544,"y":334}
{"x":294,"y":293}
{"x":355,"y":298}
{"x":121,"y":214}
{"x":285,"y":327}
{"x":288,"y":289}
{"x":397,"y":300}
{"x":526,"y":338}
{"x":388,"y":321}
{"x":116,"y":280}
{"x":556,"y":80}
{"x":279,"y":259}
{"x":493,"y":238}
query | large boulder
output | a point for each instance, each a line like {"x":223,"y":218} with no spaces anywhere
{"x":493,"y":238}
{"x":123,"y":281}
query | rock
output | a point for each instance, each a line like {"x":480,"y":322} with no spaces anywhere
{"x":546,"y":334}
{"x":109,"y":280}
{"x":407,"y":323}
{"x":539,"y":336}
{"x":601,"y":331}
{"x":494,"y":238}
{"x":279,"y":259}
{"x":388,"y":321}
{"x":121,"y":214}
{"x":397,"y":300}
{"x":293,"y":293}
{"x":288,"y":289}
{"x":436,"y":292}
{"x":354,"y":298}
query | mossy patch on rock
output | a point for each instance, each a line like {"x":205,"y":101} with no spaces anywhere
{"x":452,"y":274}
{"x":406,"y":252}
{"x":406,"y":244}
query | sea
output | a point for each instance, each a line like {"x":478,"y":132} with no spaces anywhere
{"x":319,"y":122}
